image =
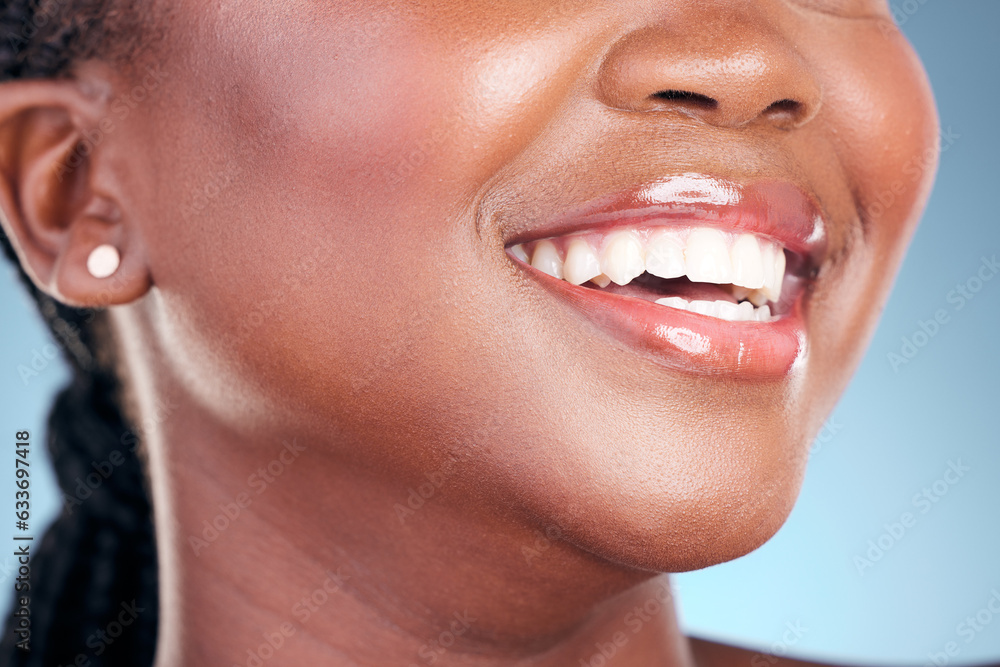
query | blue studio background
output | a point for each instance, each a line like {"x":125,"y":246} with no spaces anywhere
{"x":892,"y":554}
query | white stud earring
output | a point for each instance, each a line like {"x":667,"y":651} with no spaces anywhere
{"x":103,"y":261}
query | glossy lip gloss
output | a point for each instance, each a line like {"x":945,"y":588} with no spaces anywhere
{"x":681,"y":339}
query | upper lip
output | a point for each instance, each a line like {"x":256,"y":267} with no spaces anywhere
{"x":775,"y":208}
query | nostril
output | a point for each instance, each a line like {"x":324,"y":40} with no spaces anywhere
{"x":687,"y":98}
{"x":786,"y":105}
{"x":784,"y":110}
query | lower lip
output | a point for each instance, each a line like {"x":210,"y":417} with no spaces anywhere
{"x":688,"y":341}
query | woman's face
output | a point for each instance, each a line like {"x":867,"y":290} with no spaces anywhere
{"x":332,"y":195}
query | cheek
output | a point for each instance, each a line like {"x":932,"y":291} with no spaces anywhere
{"x":888,"y":130}
{"x":291,"y":238}
{"x":883,"y":123}
{"x":418,"y":116}
{"x":323,"y":190}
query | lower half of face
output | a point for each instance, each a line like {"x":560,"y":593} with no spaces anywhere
{"x":613,"y":261}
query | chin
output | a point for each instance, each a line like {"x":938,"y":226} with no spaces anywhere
{"x":677,"y":507}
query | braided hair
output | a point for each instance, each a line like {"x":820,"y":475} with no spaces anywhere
{"x":93,"y":575}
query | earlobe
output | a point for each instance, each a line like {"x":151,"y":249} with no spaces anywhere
{"x":75,"y":242}
{"x":102,"y":265}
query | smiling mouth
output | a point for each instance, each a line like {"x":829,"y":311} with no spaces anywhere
{"x":706,"y":274}
{"x":725,"y":275}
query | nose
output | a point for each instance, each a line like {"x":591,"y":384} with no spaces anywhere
{"x":724,"y":63}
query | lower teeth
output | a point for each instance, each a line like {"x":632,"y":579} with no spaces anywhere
{"x":723,"y":310}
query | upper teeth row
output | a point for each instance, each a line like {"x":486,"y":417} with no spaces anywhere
{"x":703,"y":254}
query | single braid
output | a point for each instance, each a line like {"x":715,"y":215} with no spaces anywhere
{"x":96,"y":564}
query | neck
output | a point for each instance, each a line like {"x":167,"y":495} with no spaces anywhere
{"x":276,"y":549}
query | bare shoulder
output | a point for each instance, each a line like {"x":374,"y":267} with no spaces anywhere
{"x":711,"y":654}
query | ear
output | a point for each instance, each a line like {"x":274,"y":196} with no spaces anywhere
{"x":58,"y":193}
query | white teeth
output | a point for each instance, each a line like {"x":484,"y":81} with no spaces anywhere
{"x":704,"y":308}
{"x":727,"y":310}
{"x":746,"y":311}
{"x":757,"y":297}
{"x":665,"y":256}
{"x":752,"y":267}
{"x":581,"y":263}
{"x":622,"y":260}
{"x":773,"y":290}
{"x":707,"y":257}
{"x":518,"y":251}
{"x":773,"y":259}
{"x":724,"y":310}
{"x":769,"y":255}
{"x":767,"y":262}
{"x":546,"y":258}
{"x":748,"y":269}
{"x":673,"y":302}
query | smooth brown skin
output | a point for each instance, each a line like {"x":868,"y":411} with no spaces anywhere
{"x":312,"y":209}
